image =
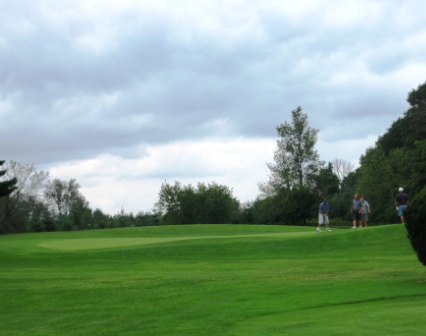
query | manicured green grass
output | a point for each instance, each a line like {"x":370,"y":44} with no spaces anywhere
{"x":212,"y":280}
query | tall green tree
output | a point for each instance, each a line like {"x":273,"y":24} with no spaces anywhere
{"x":397,"y":160}
{"x":204,"y":204}
{"x":378,"y":182}
{"x":216,"y":204}
{"x":171,"y":202}
{"x":417,"y":161}
{"x":416,"y":114}
{"x":288,"y":206}
{"x":326,"y":182}
{"x":296,"y":159}
{"x":405,"y":131}
{"x":100,"y":220}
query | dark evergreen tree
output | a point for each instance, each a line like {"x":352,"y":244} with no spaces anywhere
{"x":6,"y":187}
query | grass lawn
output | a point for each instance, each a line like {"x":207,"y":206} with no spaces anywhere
{"x":212,"y":280}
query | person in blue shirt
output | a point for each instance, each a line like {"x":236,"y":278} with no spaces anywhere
{"x":323,"y":210}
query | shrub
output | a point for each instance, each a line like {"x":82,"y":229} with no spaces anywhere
{"x":415,"y":218}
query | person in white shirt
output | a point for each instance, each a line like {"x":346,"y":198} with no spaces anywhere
{"x":365,"y":212}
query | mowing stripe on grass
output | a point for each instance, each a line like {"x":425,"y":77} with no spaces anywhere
{"x":101,"y":243}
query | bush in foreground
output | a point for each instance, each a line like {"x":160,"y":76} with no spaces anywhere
{"x":415,"y":218}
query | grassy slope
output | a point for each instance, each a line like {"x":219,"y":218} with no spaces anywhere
{"x":347,"y":282}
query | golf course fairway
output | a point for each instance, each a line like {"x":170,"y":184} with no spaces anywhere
{"x":212,"y":280}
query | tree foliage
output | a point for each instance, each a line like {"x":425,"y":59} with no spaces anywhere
{"x":326,"y":182}
{"x":37,"y":204}
{"x":342,"y":168}
{"x":205,"y":204}
{"x":23,"y":210}
{"x":296,"y":160}
{"x":296,"y":177}
{"x":64,"y":195}
{"x":378,"y":183}
{"x":415,"y":217}
{"x":340,"y":202}
{"x":70,"y":206}
{"x":6,"y":186}
{"x":397,"y":160}
{"x":27,"y":207}
{"x":405,"y":131}
{"x":287,"y":206}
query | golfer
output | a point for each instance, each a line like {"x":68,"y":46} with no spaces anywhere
{"x":323,"y":210}
{"x":401,"y":202}
{"x":365,"y":212}
{"x":356,"y":210}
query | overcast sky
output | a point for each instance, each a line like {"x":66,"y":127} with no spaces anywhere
{"x":123,"y":95}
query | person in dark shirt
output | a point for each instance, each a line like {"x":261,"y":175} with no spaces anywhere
{"x":401,"y":202}
{"x":356,"y":210}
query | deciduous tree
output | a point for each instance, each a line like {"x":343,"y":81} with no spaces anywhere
{"x":205,"y":204}
{"x":342,"y":168}
{"x":296,"y":159}
{"x":63,"y":194}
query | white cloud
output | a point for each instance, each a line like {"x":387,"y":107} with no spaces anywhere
{"x":348,"y":149}
{"x":110,"y":182}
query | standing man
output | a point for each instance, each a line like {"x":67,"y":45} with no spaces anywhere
{"x":356,"y":210}
{"x":365,"y":212}
{"x":324,"y":208}
{"x":401,"y":202}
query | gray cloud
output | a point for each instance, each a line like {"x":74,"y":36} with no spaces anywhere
{"x":77,"y":83}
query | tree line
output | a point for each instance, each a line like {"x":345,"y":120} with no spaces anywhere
{"x":298,"y":181}
{"x":31,"y":202}
{"x":398,"y":159}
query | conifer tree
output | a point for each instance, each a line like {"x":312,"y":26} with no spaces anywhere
{"x":6,"y":187}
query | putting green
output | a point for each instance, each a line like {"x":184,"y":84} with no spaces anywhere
{"x":102,"y":243}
